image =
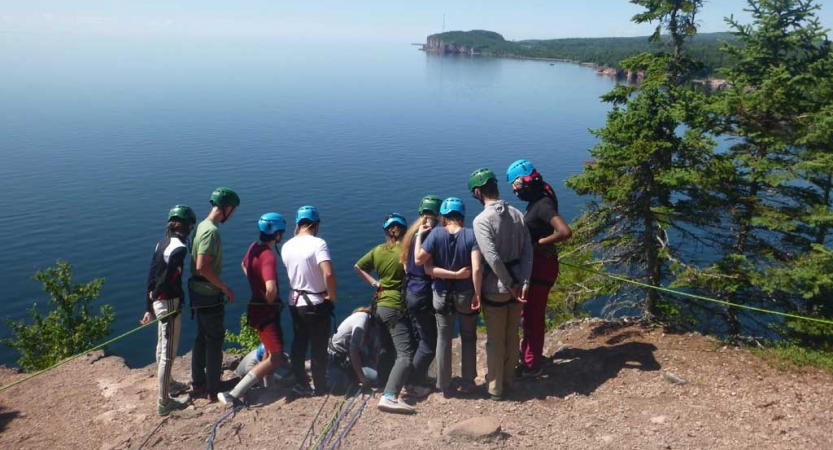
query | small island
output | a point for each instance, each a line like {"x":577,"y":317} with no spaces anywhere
{"x":604,"y":54}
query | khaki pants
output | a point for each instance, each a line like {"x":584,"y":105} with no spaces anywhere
{"x":502,"y":341}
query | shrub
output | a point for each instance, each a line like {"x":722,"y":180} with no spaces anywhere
{"x":68,"y":328}
{"x":247,"y":340}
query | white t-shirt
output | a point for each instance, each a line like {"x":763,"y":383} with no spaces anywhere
{"x":301,"y":256}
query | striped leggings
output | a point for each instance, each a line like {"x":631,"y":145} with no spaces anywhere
{"x":166,"y":344}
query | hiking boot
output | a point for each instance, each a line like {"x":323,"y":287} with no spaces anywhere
{"x":449,"y":392}
{"x":177,"y":387}
{"x":394,"y":405}
{"x":167,"y":408}
{"x":227,"y":399}
{"x":468,"y":387}
{"x":302,"y":391}
{"x":531,"y":373}
{"x":417,"y":391}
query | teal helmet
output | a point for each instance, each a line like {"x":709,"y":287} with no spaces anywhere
{"x":223,"y":196}
{"x":271,"y":223}
{"x":307,"y":212}
{"x":394,"y":219}
{"x":182,"y":213}
{"x":519,"y":168}
{"x":453,"y":205}
{"x":430,"y":203}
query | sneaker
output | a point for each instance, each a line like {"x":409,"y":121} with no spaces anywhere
{"x":468,"y":387}
{"x":449,"y":392}
{"x":531,"y":373}
{"x":177,"y":387}
{"x":394,"y":405}
{"x":167,"y":408}
{"x":417,"y":391}
{"x":497,"y":398}
{"x":302,"y":391}
{"x":227,"y":399}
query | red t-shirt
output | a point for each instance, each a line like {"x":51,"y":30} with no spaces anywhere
{"x":261,"y":266}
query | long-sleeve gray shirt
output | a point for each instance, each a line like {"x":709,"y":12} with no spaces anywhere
{"x":503,"y":238}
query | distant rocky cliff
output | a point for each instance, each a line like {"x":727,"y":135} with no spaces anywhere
{"x":436,"y":45}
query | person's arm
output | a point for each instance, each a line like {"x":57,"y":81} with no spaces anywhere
{"x":560,"y":231}
{"x":437,"y":272}
{"x":476,"y":278}
{"x":150,"y":286}
{"x":420,"y":255}
{"x":356,"y":339}
{"x":363,"y":267}
{"x":526,"y":264}
{"x":206,"y":271}
{"x":329,"y":278}
{"x":243,"y":266}
{"x":269,"y":274}
{"x":486,"y":243}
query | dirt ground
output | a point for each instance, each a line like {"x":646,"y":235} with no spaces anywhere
{"x":606,"y":385}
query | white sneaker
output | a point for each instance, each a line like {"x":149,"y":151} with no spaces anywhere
{"x":417,"y":391}
{"x":227,"y":399}
{"x":394,"y":405}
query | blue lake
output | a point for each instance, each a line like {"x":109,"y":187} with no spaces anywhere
{"x":99,"y":139}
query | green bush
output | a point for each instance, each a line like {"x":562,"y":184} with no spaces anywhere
{"x":246,"y":341}
{"x":66,"y":330}
{"x":792,"y":357}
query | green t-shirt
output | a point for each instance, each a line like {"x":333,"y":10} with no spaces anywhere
{"x":207,"y":242}
{"x":384,"y":259}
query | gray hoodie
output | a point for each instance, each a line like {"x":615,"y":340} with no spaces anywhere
{"x":503,"y":238}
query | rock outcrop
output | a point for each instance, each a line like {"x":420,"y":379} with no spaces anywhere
{"x":436,"y":45}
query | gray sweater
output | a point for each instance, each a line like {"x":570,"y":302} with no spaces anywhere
{"x":503,"y":238}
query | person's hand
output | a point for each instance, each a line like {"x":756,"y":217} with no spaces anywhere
{"x":424,"y":228}
{"x":146,"y":318}
{"x":475,"y":302}
{"x":228,"y":293}
{"x":463,"y":273}
{"x":518,"y":293}
{"x":524,"y":293}
{"x":329,"y":298}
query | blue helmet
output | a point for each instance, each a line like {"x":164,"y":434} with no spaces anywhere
{"x":307,"y":212}
{"x":452,"y":204}
{"x":519,"y":168}
{"x":394,"y":218}
{"x":271,"y":223}
{"x":261,"y":352}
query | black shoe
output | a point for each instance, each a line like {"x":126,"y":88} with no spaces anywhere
{"x":531,"y":373}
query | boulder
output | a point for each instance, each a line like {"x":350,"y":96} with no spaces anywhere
{"x":475,"y":429}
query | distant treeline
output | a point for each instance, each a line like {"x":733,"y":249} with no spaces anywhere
{"x":607,"y":52}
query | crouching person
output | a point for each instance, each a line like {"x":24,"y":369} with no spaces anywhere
{"x":354,"y":338}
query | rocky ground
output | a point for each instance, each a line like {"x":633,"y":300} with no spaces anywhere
{"x":606,"y":385}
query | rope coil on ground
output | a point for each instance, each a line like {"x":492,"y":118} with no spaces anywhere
{"x":210,"y":443}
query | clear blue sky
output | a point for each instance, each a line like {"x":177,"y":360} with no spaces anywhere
{"x":393,"y":21}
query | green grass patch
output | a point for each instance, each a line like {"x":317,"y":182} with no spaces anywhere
{"x":794,"y":358}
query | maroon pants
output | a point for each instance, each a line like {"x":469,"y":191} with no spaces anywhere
{"x":544,"y":274}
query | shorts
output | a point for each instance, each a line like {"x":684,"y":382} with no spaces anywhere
{"x":271,"y":337}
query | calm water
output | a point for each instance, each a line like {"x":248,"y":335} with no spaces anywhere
{"x":99,"y":139}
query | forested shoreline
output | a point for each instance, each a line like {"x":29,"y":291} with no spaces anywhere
{"x":603,"y":52}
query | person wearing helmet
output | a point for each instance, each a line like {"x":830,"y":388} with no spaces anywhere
{"x":206,"y":290}
{"x":506,"y":248}
{"x":546,"y":227}
{"x":164,"y":300}
{"x":451,"y":255}
{"x":264,"y":310}
{"x":313,"y":284}
{"x":397,"y":348}
{"x":418,"y":294}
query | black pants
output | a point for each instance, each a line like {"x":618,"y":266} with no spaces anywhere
{"x":207,"y":357}
{"x":425,"y":332}
{"x":311,"y":328}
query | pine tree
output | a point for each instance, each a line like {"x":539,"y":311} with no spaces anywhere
{"x":645,"y":169}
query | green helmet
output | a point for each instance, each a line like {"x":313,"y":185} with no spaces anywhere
{"x":223,"y":196}
{"x":430,"y":203}
{"x":480,"y":177}
{"x":182,"y":213}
